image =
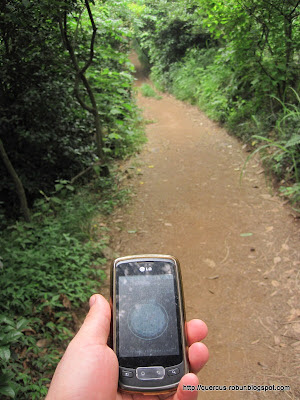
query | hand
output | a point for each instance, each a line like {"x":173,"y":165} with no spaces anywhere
{"x":89,"y":368}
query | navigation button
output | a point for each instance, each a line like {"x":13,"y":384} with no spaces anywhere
{"x":173,"y":371}
{"x":150,"y":373}
{"x":127,"y":374}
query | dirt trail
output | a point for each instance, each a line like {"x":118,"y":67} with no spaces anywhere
{"x":238,"y":246}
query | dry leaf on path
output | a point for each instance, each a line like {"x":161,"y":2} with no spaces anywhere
{"x":275,"y":283}
{"x":277,"y":340}
{"x":66,"y":302}
{"x":42,"y":343}
{"x":285,"y":247}
{"x":210,"y":263}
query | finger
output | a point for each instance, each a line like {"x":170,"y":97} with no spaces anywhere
{"x":96,"y":326}
{"x":187,"y":380}
{"x":196,"y":331}
{"x":198,"y":356}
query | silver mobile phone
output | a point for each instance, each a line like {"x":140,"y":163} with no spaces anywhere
{"x":148,"y":323}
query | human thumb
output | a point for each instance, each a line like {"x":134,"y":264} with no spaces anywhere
{"x":96,"y":326}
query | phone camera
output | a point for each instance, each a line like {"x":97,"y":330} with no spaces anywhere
{"x":142,"y":269}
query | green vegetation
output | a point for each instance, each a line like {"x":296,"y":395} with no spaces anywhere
{"x":65,"y":95}
{"x":148,"y":91}
{"x":67,"y":114}
{"x":49,"y":268}
{"x":238,"y":60}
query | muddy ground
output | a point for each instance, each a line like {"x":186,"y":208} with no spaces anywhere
{"x":238,"y":245}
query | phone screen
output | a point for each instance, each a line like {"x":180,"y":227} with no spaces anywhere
{"x":148,"y":325}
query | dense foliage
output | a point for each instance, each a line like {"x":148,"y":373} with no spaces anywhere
{"x":239,"y":61}
{"x":45,"y":131}
{"x":63,"y":64}
{"x":48,"y":268}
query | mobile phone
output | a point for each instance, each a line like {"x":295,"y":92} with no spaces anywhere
{"x":148,"y":323}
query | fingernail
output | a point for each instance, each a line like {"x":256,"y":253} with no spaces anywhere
{"x":93,"y":300}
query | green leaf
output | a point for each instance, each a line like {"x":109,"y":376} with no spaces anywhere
{"x":26,"y":3}
{"x":115,"y":111}
{"x":58,"y":187}
{"x":293,"y":141}
{"x":114,"y":136}
{"x":13,"y":336}
{"x":56,"y":200}
{"x":21,"y":324}
{"x":3,"y":318}
{"x":97,"y":170}
{"x":246,"y":234}
{"x":5,"y":353}
{"x":7,"y":391}
{"x":128,"y":106}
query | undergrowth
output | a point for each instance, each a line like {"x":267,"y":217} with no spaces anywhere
{"x":148,"y":91}
{"x":48,"y":269}
{"x":272,"y":129}
{"x":280,"y":150}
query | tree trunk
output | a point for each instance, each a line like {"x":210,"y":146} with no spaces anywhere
{"x":288,"y":30}
{"x":80,"y":75}
{"x":99,"y":134}
{"x":19,"y":186}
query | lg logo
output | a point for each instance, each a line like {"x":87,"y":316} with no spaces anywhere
{"x":143,"y":269}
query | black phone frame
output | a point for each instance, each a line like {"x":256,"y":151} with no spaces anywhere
{"x":147,"y":361}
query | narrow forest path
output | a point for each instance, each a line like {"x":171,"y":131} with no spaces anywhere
{"x":238,"y":245}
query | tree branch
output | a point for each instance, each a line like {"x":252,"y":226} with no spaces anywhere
{"x":79,"y":73}
{"x":67,"y":43}
{"x":19,"y":186}
{"x":79,"y":99}
{"x":85,"y":171}
{"x":89,"y":61}
{"x":80,"y":174}
{"x":295,"y":8}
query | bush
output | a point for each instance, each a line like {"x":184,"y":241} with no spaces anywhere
{"x":148,"y":91}
{"x":48,"y":269}
{"x":202,"y":79}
